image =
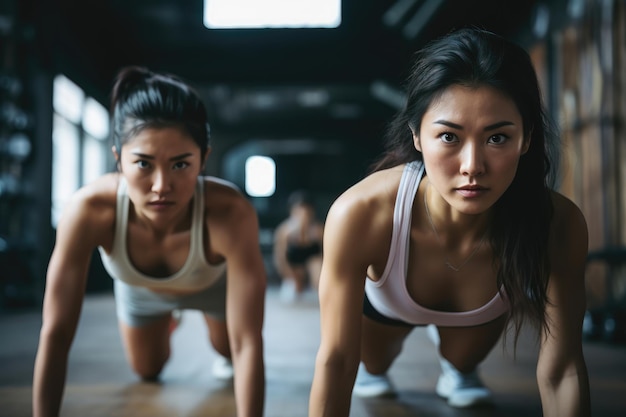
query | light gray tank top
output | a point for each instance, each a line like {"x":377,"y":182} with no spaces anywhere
{"x":195,"y":274}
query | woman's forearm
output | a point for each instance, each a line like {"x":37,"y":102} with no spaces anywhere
{"x":331,"y":391}
{"x":49,"y":379}
{"x":249,"y":381}
{"x":567,"y":397}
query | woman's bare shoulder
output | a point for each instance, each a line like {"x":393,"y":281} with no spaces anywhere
{"x":369,"y":196}
{"x":569,"y":233}
{"x":91,"y":209}
{"x":365,"y":210}
{"x":216,"y":184}
{"x":567,"y":214}
{"x":102,"y":191}
{"x":223,"y":198}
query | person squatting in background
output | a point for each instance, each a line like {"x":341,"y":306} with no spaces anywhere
{"x":298,"y":247}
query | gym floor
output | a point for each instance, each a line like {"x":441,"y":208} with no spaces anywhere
{"x":100,"y":383}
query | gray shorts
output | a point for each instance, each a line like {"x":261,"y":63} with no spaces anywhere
{"x":138,"y":306}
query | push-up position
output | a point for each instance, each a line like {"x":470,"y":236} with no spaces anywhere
{"x":171,"y":238}
{"x":456,"y":227}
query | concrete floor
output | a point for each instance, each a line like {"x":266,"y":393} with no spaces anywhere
{"x":101,"y":384}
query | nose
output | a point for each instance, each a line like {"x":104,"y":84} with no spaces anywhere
{"x":472,"y":160}
{"x":161,"y":183}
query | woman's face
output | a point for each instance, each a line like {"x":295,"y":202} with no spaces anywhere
{"x":303,"y":212}
{"x":471,"y":140}
{"x":161,"y":166}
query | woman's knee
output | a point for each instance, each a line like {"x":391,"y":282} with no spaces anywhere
{"x":148,"y":367}
{"x":467,"y":347}
{"x":381,"y":344}
{"x":147,"y":347}
{"x":218,"y":335}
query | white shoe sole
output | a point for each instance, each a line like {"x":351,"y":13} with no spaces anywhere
{"x":373,"y":392}
{"x":481,"y":396}
{"x":460,"y":402}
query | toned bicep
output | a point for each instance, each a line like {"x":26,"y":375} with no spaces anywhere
{"x":246,"y":280}
{"x":68,"y":267}
{"x":342,"y":281}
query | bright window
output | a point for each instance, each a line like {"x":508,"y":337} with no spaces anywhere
{"x":68,"y":99}
{"x":248,"y":14}
{"x":79,"y":138}
{"x":65,"y":160}
{"x":95,"y":119}
{"x":94,"y":158}
{"x":260,"y":174}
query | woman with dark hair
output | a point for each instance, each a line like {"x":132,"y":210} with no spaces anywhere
{"x":171,"y":238}
{"x":457,"y":228}
{"x":298,"y":247}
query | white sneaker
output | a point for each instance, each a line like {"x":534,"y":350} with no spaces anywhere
{"x":222,"y":368}
{"x":433,"y":334}
{"x":175,"y":319}
{"x":461,"y":390}
{"x":368,"y":385}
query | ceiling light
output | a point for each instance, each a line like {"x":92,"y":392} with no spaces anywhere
{"x":253,"y":14}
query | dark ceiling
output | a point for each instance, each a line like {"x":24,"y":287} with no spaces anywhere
{"x":269,"y":79}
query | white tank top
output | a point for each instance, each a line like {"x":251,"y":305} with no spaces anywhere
{"x":195,"y":274}
{"x":390,"y":296}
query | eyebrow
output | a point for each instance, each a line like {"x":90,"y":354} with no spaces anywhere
{"x":174,"y":158}
{"x":486,"y":129}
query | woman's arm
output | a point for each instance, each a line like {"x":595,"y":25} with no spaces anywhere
{"x":348,"y":250}
{"x":65,"y":286}
{"x":561,"y":370}
{"x":237,"y":239}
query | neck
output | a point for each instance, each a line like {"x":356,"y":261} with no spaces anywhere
{"x":452,"y":225}
{"x":458,"y":247}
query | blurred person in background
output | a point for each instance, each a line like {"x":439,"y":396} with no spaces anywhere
{"x":298,"y":247}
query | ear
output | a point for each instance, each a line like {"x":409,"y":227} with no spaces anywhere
{"x":416,"y":140}
{"x":206,"y":155}
{"x":526,"y":145}
{"x":117,"y":158}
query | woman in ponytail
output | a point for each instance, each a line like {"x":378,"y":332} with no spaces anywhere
{"x":171,"y":239}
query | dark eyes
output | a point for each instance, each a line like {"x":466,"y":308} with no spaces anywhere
{"x":498,"y":139}
{"x":181,"y":165}
{"x":143,"y":164}
{"x":448,"y":137}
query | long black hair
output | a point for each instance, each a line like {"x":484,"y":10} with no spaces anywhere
{"x":519,"y":230}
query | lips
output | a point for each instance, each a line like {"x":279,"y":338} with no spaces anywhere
{"x":471,"y":190}
{"x":160,"y":204}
